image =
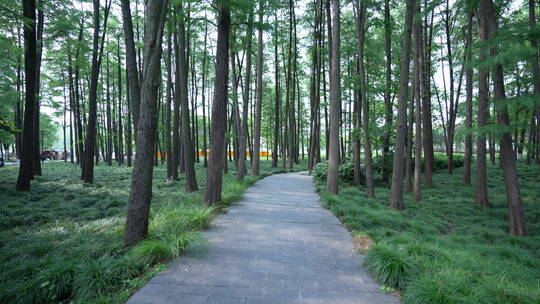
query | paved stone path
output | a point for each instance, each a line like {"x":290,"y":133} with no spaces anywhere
{"x":277,"y":245}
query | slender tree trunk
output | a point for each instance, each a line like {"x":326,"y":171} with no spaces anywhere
{"x":335,"y":101}
{"x":258,"y":99}
{"x":141,"y":184}
{"x":396,"y":196}
{"x":120,"y":156}
{"x":36,"y":167}
{"x":536,"y":75}
{"x":204,"y":146}
{"x":30,"y":64}
{"x":517,"y":225}
{"x":361,"y":9}
{"x":190,"y":184}
{"x":426,"y":102}
{"x":91,"y":136}
{"x":277,"y":103}
{"x":131,"y":62}
{"x":483,"y":108}
{"x":419,"y":92}
{"x":469,"y":108}
{"x":388,"y":90}
{"x":168,"y":146}
{"x":212,"y":194}
{"x":176,"y":146}
{"x":245,"y":102}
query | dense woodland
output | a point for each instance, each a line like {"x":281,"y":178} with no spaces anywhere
{"x":388,"y":91}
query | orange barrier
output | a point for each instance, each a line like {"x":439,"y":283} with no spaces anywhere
{"x":230,"y":153}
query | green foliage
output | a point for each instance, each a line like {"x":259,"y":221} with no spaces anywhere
{"x":446,"y":249}
{"x":391,"y":267}
{"x":346,"y":172}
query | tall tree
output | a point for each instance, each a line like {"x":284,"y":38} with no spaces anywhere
{"x":212,"y":193}
{"x":388,"y":89}
{"x":467,"y":160}
{"x":91,"y":132}
{"x":259,"y":94}
{"x":396,"y":195}
{"x":361,"y":9}
{"x":190,"y":183}
{"x":30,"y":64}
{"x":141,"y":184}
{"x":536,"y":74}
{"x":517,"y":224}
{"x":419,"y":91}
{"x":245,"y":100}
{"x":335,"y":101}
{"x":131,"y":62}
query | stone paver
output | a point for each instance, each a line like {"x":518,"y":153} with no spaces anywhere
{"x":276,"y":246}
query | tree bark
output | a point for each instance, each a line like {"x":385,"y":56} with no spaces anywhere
{"x":97,"y":52}
{"x":212,"y":193}
{"x":419,"y":92}
{"x":536,"y":75}
{"x":517,"y":225}
{"x":388,"y":90}
{"x":335,"y":101}
{"x":141,"y":184}
{"x":190,"y":184}
{"x":30,"y":64}
{"x":469,"y":108}
{"x":361,"y":9}
{"x":131,"y":62}
{"x":258,"y":99}
{"x":245,"y":102}
{"x":396,"y":196}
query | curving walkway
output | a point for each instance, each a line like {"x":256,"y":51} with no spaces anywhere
{"x":277,"y":245}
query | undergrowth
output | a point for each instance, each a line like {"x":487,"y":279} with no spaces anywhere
{"x":62,"y":242}
{"x":446,"y":249}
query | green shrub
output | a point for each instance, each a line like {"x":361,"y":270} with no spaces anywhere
{"x":390,"y":266}
{"x":346,"y":172}
{"x":442,"y":287}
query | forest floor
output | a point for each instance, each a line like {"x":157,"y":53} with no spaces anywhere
{"x":276,"y":245}
{"x":63,"y":240}
{"x":447,"y":249}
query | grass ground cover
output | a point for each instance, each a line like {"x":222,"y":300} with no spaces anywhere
{"x":62,"y":241}
{"x":446,"y":249}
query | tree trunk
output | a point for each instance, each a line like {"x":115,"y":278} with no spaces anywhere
{"x":168,"y":146}
{"x":426,"y":102}
{"x":277,"y":103}
{"x":388,"y":90}
{"x":97,"y":52}
{"x":258,"y":99}
{"x":361,"y":9}
{"x":469,"y":108}
{"x":419,"y":92}
{"x":517,"y":224}
{"x":335,"y":101}
{"x":483,"y":108}
{"x":396,"y":196}
{"x":212,"y":193}
{"x":536,"y":75}
{"x":141,"y":183}
{"x":176,"y":147}
{"x":131,"y":62}
{"x":245,"y":102}
{"x":204,"y":146}
{"x":30,"y":65}
{"x":190,"y":184}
